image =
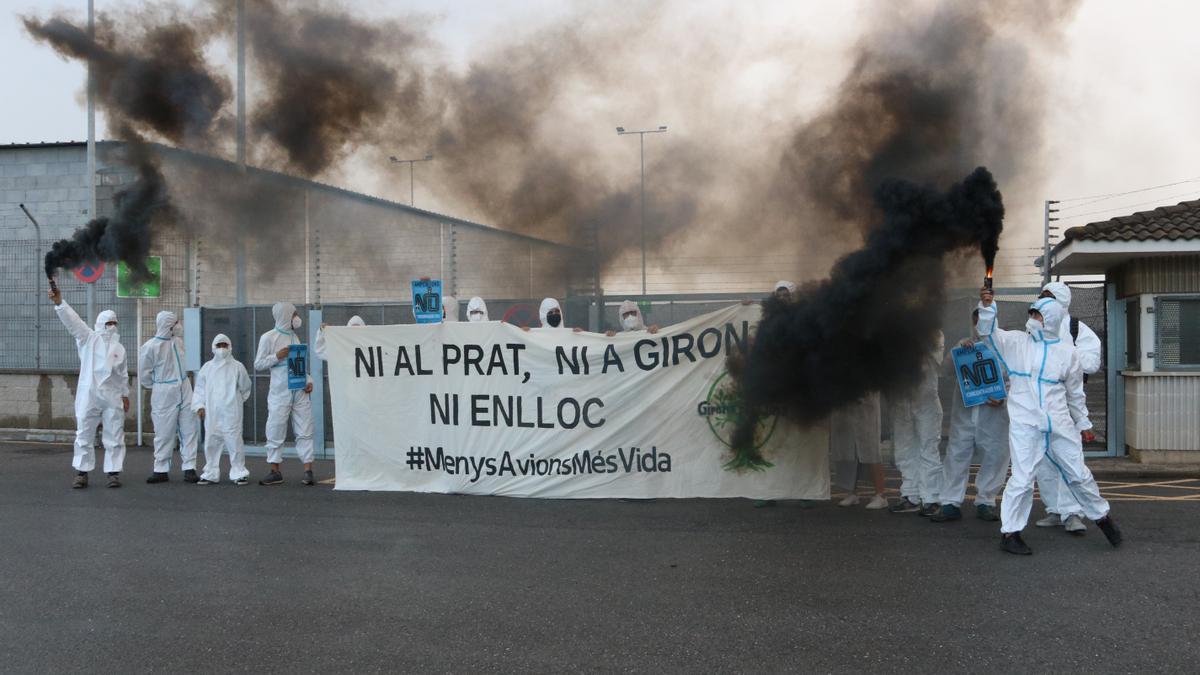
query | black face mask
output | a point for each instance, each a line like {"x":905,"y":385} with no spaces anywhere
{"x":554,"y":320}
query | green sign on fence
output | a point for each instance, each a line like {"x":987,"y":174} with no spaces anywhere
{"x":126,"y":288}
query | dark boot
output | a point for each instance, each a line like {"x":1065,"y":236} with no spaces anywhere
{"x":1013,"y":543}
{"x":1111,"y":533}
{"x":157,"y":477}
{"x":190,"y":476}
{"x":80,"y":481}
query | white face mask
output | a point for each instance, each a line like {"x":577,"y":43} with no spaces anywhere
{"x":109,"y":332}
{"x":221,"y":353}
{"x":177,"y":330}
{"x":1033,"y":326}
{"x":296,"y":323}
{"x":630,"y":322}
{"x":475,"y":317}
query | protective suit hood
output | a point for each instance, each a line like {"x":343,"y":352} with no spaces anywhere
{"x":356,"y":320}
{"x":1052,"y":316}
{"x":631,"y":306}
{"x":1061,"y":291}
{"x":163,"y":322}
{"x":476,"y":304}
{"x":547,"y":305}
{"x":450,"y":308}
{"x":282,"y":313}
{"x":221,"y":337}
{"x":103,"y":318}
{"x":789,"y":286}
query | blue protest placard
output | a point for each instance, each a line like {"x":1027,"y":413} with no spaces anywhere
{"x":427,"y":300}
{"x":297,"y":365}
{"x":978,"y":373}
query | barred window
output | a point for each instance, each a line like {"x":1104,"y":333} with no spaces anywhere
{"x":1178,"y":332}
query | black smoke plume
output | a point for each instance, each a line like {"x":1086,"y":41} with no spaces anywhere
{"x":126,"y":235}
{"x":869,"y":326}
{"x":157,"y":85}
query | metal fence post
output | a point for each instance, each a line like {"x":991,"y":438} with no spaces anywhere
{"x":317,"y":370}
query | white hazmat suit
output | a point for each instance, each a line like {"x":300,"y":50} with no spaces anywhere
{"x":160,"y":367}
{"x":546,"y":307}
{"x":1046,"y":411}
{"x":917,"y":432}
{"x":103,"y":383}
{"x":222,"y":387}
{"x":984,"y":427}
{"x":282,"y":402}
{"x":477,"y":310}
{"x":1054,"y":492}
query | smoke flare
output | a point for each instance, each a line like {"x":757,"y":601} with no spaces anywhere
{"x":867,"y":327}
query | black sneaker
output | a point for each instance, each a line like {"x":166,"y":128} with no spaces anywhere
{"x":1013,"y":543}
{"x":273,"y":478}
{"x":1111,"y":533}
{"x":927,"y":510}
{"x":905,"y":505}
{"x":157,"y":477}
{"x":205,"y":481}
{"x":190,"y":476}
{"x":947,"y":513}
{"x":308,"y":479}
{"x":114,"y":480}
{"x":80,"y":481}
{"x":242,"y":481}
{"x":985,"y":512}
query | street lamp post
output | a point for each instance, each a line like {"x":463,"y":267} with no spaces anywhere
{"x":642,"y":147}
{"x":411,"y":169}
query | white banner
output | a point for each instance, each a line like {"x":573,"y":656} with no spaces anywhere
{"x":486,"y":408}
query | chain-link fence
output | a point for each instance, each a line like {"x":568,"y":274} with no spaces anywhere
{"x":32,"y":338}
{"x":31,"y":335}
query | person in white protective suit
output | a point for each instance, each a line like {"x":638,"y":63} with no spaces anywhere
{"x":784,"y":290}
{"x":984,"y":427}
{"x":1061,"y":507}
{"x":319,"y":344}
{"x":449,"y":309}
{"x":102,"y":393}
{"x":1047,"y":416}
{"x":854,"y":434}
{"x":477,"y":310}
{"x":222,"y":387}
{"x":916,"y":434}
{"x":160,"y":368}
{"x":551,"y":316}
{"x":284,"y":403}
{"x":631,"y":319}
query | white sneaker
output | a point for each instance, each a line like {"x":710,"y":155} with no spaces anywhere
{"x":850,"y":500}
{"x":877,"y":502}
{"x":1051,"y":520}
{"x":1074,"y":525}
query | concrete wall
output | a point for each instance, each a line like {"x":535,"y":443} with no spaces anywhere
{"x":47,"y":401}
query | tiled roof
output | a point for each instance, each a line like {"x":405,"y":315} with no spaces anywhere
{"x":1166,"y":223}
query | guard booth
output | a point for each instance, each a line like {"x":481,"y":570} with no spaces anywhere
{"x":1151,"y":264}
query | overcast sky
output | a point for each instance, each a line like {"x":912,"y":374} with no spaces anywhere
{"x":1125,"y":101}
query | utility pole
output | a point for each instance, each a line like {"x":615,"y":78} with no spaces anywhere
{"x":1046,"y":229}
{"x":240,"y":262}
{"x":91,"y":151}
{"x":642,"y":149}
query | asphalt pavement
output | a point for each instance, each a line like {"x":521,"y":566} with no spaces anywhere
{"x":178,"y":577}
